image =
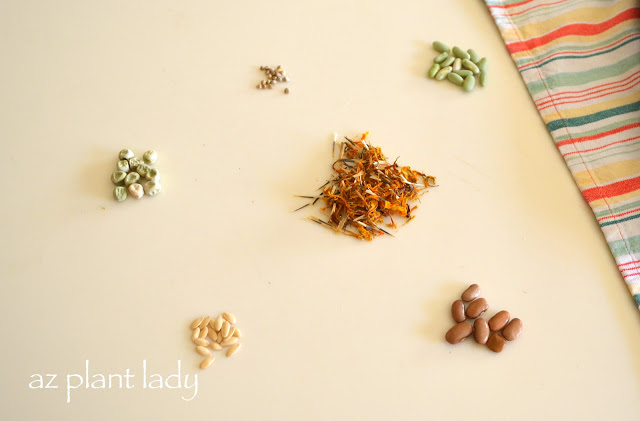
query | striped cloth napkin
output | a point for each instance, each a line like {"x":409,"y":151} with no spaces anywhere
{"x":580,"y":60}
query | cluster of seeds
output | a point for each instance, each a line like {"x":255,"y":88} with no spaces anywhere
{"x":274,"y":76}
{"x":132,"y":171}
{"x":459,"y":66}
{"x":221,"y":333}
{"x":503,"y":327}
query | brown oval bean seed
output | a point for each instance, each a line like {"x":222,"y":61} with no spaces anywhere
{"x":499,"y":321}
{"x":471,"y":293}
{"x":477,"y":307}
{"x":481,"y":331}
{"x":513,"y":330}
{"x":459,"y":333}
{"x":457,"y":311}
{"x":496,"y":342}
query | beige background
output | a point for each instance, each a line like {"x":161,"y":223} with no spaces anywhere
{"x":335,"y":329}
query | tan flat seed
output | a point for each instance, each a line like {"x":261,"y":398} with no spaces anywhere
{"x":229,"y":317}
{"x":212,"y":324}
{"x":237,"y":333}
{"x":218,"y":324}
{"x":196,"y":322}
{"x":216,"y":346}
{"x":196,"y":333}
{"x":225,"y":329}
{"x":203,"y":332}
{"x":207,"y":362}
{"x":229,"y":341}
{"x":231,"y":332}
{"x":212,"y":335}
{"x":201,"y":342}
{"x":203,"y":350}
{"x":481,"y":331}
{"x":205,"y":322}
{"x":477,"y":307}
{"x":459,"y":333}
{"x":220,"y":338}
{"x":457,"y":311}
{"x":499,"y":321}
{"x":496,"y":342}
{"x":471,"y":293}
{"x":233,"y":349}
{"x":513,"y":330}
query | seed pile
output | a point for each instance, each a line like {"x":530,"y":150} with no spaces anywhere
{"x":458,"y":66}
{"x":495,"y":333}
{"x":274,"y":76}
{"x":132,"y":171}
{"x":366,"y":191}
{"x":220,"y":331}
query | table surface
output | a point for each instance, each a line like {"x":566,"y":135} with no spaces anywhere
{"x":334,"y":328}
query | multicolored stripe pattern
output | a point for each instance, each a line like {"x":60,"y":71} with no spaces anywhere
{"x":580,"y":60}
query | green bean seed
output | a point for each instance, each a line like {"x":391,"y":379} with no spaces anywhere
{"x":125,"y":154}
{"x":441,"y":47}
{"x":143,"y":169}
{"x":132,"y":177}
{"x":151,"y":188}
{"x":150,"y":157}
{"x":457,"y":65}
{"x":464,"y":72}
{"x":469,"y":83}
{"x":118,"y":177}
{"x":153,"y":174}
{"x":133,"y":163}
{"x":455,"y":78}
{"x":473,"y":56}
{"x":482,"y":64}
{"x":471,"y":66}
{"x":123,"y":165}
{"x":483,"y":79}
{"x":434,"y":70}
{"x":443,"y":73}
{"x":136,"y":191}
{"x":120,"y":193}
{"x":448,"y":62}
{"x":442,"y":57}
{"x":459,"y":52}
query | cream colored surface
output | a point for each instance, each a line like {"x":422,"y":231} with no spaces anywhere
{"x":334,"y":329}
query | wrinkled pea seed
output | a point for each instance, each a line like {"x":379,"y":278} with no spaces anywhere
{"x":471,"y":66}
{"x":118,"y":177}
{"x":142,"y":169}
{"x":153,"y":174}
{"x":150,"y":157}
{"x":434,"y":70}
{"x":469,"y":83}
{"x":443,"y":73}
{"x":448,"y":62}
{"x":123,"y":165}
{"x":132,"y":177}
{"x":440,"y":58}
{"x":457,"y":65}
{"x":459,"y":52}
{"x":133,"y":163}
{"x":441,"y":46}
{"x":152,"y":188}
{"x":457,"y":79}
{"x":482,"y":64}
{"x":464,"y":72}
{"x":136,"y":191}
{"x":125,"y":154}
{"x":473,"y":56}
{"x":120,"y":193}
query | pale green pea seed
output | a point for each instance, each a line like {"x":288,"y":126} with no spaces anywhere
{"x":469,"y":83}
{"x":455,"y":78}
{"x":150,"y":157}
{"x":442,"y":57}
{"x":136,"y":191}
{"x":152,"y":188}
{"x":471,"y":66}
{"x":133,"y":163}
{"x":459,"y":52}
{"x":443,"y":73}
{"x":118,"y":177}
{"x":153,"y":174}
{"x":441,"y":46}
{"x":123,"y":165}
{"x":464,"y":72}
{"x":483,"y":79}
{"x":482,"y":64}
{"x":132,"y":177}
{"x":143,"y":169}
{"x":125,"y":154}
{"x":120,"y":193}
{"x":434,"y":70}
{"x":448,"y":61}
{"x":473,"y":56}
{"x":457,"y":65}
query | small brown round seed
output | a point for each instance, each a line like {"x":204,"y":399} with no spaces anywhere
{"x":207,"y":362}
{"x":471,"y":293}
{"x":496,"y":342}
{"x":477,"y":307}
{"x":499,"y":321}
{"x":513,"y":330}
{"x":459,"y":333}
{"x":480,"y":331}
{"x":286,"y":91}
{"x":457,"y":311}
